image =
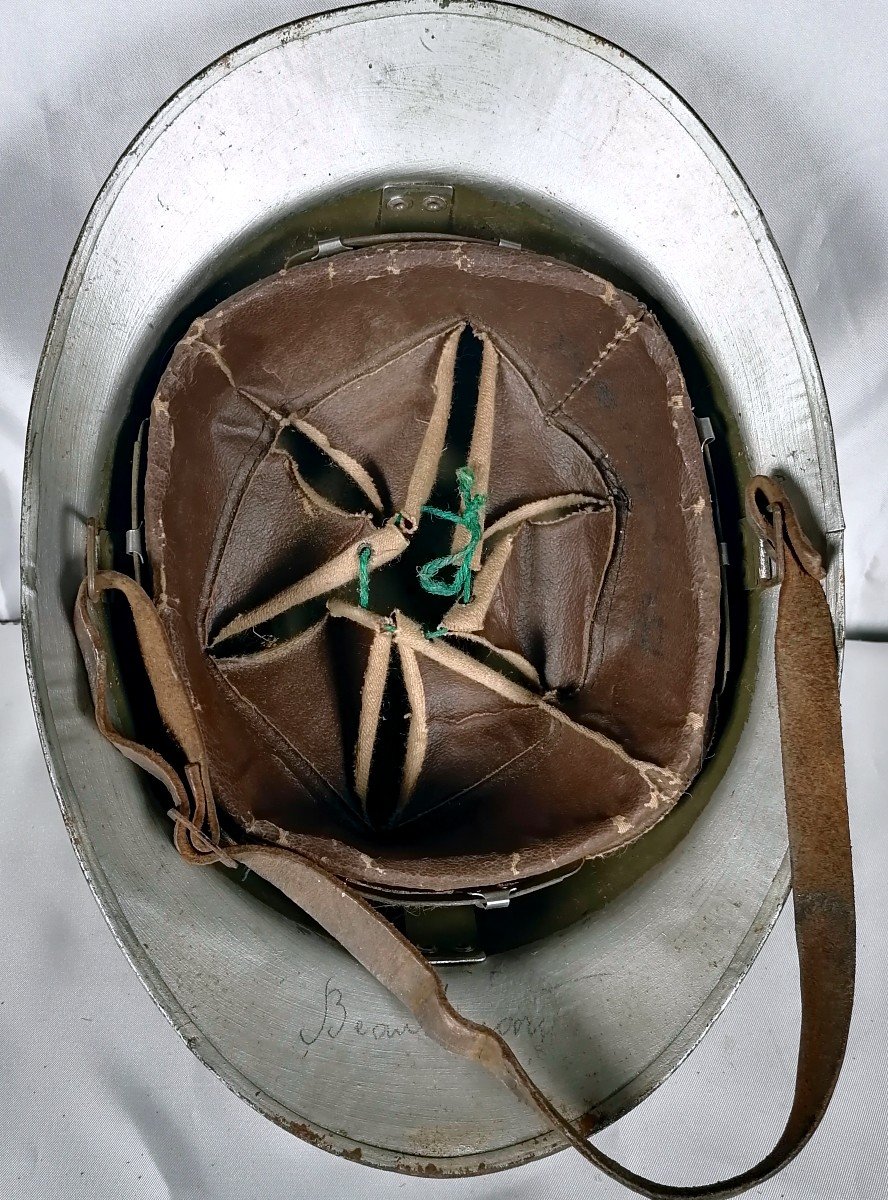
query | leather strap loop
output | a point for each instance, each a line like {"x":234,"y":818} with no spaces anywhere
{"x":817,"y":823}
{"x":770,"y":512}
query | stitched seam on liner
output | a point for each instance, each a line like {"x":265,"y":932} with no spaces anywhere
{"x":625,"y":331}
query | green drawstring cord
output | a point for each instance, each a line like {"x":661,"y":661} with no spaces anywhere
{"x":469,"y":519}
{"x":461,"y":584}
{"x":365,"y":553}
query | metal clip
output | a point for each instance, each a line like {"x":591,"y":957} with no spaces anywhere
{"x":704,"y":430}
{"x":490,"y":898}
{"x":758,"y":565}
{"x":329,"y":246}
{"x":771,"y":560}
{"x":768,"y":571}
{"x":134,"y":544}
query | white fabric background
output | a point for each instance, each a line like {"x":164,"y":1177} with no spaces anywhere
{"x":99,"y":1097}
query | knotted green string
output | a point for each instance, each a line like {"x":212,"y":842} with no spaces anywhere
{"x":365,"y":553}
{"x":470,"y":520}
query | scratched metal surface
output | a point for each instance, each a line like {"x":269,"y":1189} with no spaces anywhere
{"x":537,"y":111}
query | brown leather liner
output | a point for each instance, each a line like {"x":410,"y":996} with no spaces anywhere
{"x":614,"y":610}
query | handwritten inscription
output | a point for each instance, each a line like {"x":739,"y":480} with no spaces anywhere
{"x":335,"y":1021}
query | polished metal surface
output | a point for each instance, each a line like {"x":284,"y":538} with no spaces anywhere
{"x":543,"y":118}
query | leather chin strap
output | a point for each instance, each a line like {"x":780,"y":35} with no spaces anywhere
{"x":817,"y":822}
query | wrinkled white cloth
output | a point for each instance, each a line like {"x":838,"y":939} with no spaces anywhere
{"x":796,"y":92}
{"x":101,"y":1099}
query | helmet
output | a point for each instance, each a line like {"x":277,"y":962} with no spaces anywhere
{"x":430,"y":446}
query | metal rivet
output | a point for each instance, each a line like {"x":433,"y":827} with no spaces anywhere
{"x":399,"y":203}
{"x":434,"y":203}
